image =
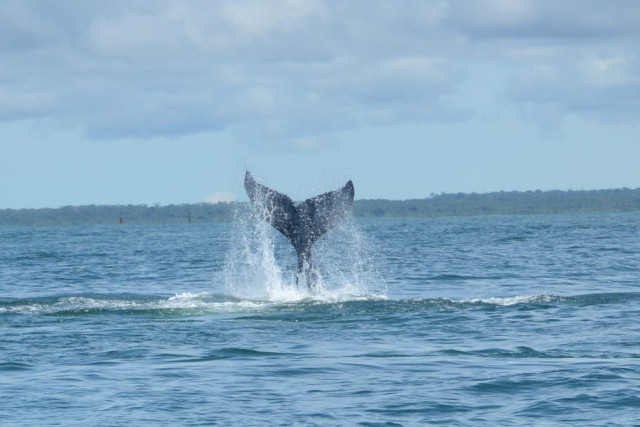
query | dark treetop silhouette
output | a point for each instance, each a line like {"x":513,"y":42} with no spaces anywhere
{"x":302,"y":224}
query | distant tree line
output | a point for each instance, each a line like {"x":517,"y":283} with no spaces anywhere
{"x":505,"y":203}
{"x":498,"y":203}
{"x":113,"y":214}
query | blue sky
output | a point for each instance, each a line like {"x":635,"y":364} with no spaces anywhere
{"x":170,"y":102}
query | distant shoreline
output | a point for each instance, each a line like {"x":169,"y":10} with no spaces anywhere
{"x":442,"y":205}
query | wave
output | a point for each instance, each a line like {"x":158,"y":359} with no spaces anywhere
{"x":205,"y":303}
{"x":544,"y":300}
{"x":185,"y":303}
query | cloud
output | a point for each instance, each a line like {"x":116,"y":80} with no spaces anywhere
{"x":294,"y":72}
{"x":223,"y":196}
{"x":563,"y":58}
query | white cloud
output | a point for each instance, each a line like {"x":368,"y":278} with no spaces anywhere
{"x":258,"y":18}
{"x":223,"y":196}
{"x":312,"y":144}
{"x":605,"y":72}
{"x":296,"y":72}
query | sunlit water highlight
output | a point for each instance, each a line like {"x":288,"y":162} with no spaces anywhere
{"x":454,"y":321}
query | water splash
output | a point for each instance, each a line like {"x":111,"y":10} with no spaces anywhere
{"x":261,"y":263}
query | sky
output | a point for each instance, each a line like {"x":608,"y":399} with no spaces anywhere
{"x":162,"y":102}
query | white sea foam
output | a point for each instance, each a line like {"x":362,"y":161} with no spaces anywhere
{"x":209,"y":303}
{"x":523,"y":299}
{"x":73,"y":303}
{"x":200,"y":303}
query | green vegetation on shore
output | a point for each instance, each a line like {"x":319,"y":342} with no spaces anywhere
{"x":506,"y":203}
{"x":499,"y":203}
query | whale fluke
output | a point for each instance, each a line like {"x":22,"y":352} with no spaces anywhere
{"x":302,"y":224}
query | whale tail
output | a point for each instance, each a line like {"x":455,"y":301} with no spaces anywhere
{"x":301,"y":224}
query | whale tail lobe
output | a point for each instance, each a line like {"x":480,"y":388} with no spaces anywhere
{"x":301,"y":224}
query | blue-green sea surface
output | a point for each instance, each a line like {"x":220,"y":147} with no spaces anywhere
{"x":501,"y":320}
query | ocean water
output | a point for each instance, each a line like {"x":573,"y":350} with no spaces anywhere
{"x":501,"y":320}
